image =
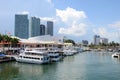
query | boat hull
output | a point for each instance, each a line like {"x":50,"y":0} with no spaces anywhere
{"x":31,"y":61}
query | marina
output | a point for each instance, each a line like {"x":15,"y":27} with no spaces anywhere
{"x":37,"y":55}
{"x":82,"y":66}
{"x":59,"y":40}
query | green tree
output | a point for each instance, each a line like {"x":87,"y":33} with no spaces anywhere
{"x":14,"y":42}
{"x":92,"y":45}
{"x":7,"y":38}
{"x":1,"y":37}
{"x":69,"y":41}
{"x":117,"y":44}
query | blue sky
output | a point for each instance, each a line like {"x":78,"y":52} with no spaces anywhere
{"x":78,"y":19}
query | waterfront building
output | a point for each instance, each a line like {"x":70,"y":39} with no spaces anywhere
{"x":96,"y":40}
{"x":42,"y":29}
{"x":84,"y":42}
{"x":42,"y":41}
{"x":21,"y":26}
{"x":50,"y":28}
{"x":104,"y":40}
{"x":34,"y":27}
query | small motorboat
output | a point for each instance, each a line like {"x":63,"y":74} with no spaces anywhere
{"x":116,"y":55}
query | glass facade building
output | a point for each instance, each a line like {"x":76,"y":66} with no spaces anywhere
{"x":34,"y":27}
{"x":21,"y":26}
{"x":50,"y":28}
{"x":42,"y":29}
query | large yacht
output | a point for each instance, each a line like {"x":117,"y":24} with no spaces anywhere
{"x":54,"y":55}
{"x":33,"y":56}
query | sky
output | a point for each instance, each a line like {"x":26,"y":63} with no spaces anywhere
{"x":76,"y":19}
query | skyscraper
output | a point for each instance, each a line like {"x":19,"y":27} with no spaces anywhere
{"x":96,"y":40}
{"x":21,"y":25}
{"x":34,"y":27}
{"x":42,"y":29}
{"x":50,"y":28}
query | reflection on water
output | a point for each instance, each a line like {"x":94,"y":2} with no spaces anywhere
{"x":8,"y":71}
{"x":83,"y":66}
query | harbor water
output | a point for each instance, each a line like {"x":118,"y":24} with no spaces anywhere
{"x":82,"y":66}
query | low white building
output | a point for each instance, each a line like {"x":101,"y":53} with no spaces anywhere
{"x":40,"y":41}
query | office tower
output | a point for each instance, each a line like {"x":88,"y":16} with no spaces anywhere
{"x":50,"y":28}
{"x":96,"y":40}
{"x":21,"y":26}
{"x":104,"y":40}
{"x":34,"y":27}
{"x":42,"y":29}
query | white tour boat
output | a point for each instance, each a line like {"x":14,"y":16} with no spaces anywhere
{"x":33,"y":56}
{"x":54,"y":55}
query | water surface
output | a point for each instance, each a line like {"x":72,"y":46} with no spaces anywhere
{"x":83,"y":66}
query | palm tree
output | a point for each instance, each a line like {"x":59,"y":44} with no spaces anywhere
{"x":7,"y":38}
{"x":4,"y":39}
{"x":14,"y":42}
{"x":1,"y":37}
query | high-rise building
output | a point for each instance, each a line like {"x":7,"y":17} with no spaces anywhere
{"x":96,"y":40}
{"x":42,"y":29}
{"x":21,"y":25}
{"x":50,"y":28}
{"x":34,"y":27}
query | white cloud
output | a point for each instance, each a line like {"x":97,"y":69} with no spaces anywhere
{"x":24,"y":12}
{"x":70,"y":14}
{"x":75,"y":30}
{"x":103,"y":32}
{"x":47,"y":19}
{"x":100,"y":31}
{"x":72,"y":18}
{"x":115,"y":24}
{"x":50,"y":2}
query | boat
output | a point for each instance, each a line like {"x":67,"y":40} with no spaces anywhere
{"x":33,"y":56}
{"x":69,"y":49}
{"x":5,"y":58}
{"x":116,"y":55}
{"x":54,"y":55}
{"x":69,"y":52}
{"x":78,"y":49}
